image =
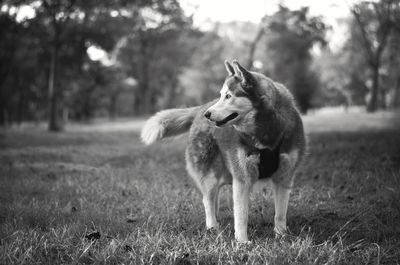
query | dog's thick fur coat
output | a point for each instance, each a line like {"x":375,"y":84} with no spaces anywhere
{"x":252,"y":133}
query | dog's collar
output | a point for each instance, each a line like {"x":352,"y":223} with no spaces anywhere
{"x":252,"y":141}
{"x":255,"y":142}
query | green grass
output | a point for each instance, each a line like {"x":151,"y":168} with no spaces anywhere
{"x":55,"y":189}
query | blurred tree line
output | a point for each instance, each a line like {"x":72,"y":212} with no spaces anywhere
{"x":155,"y":58}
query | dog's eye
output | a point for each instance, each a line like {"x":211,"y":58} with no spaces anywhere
{"x":227,"y":96}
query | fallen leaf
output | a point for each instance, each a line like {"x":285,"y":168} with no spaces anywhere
{"x":131,"y":218}
{"x":93,"y":236}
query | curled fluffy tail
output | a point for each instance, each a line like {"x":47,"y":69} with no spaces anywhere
{"x":168,"y":123}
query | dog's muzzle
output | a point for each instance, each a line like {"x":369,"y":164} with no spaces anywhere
{"x":221,"y":122}
{"x":227,"y":119}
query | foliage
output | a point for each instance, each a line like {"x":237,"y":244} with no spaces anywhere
{"x":290,"y":37}
{"x":367,"y":63}
{"x":376,"y":22}
{"x":156,"y":59}
{"x":342,"y":77}
{"x":155,"y":51}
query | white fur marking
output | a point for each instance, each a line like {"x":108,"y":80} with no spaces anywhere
{"x":242,"y":161}
{"x":281,"y":201}
{"x":224,"y":90}
{"x":240,"y":209}
{"x":294,"y":156}
{"x":152,"y":130}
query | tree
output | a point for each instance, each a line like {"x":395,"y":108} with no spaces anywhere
{"x":393,"y":58}
{"x":253,"y":45}
{"x":9,"y":30}
{"x":155,"y":52}
{"x":55,"y":41}
{"x":375,"y":21}
{"x":21,"y":93}
{"x":59,"y":13}
{"x":290,"y":37}
{"x":203,"y":78}
{"x":336,"y":70}
{"x":70,"y":27}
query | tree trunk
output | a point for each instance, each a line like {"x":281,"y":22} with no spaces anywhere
{"x":144,"y":93}
{"x":253,"y":47}
{"x":88,"y":106}
{"x":172,"y":93}
{"x":54,"y":124}
{"x":372,"y":105}
{"x":20,"y":109}
{"x":2,"y":114}
{"x":2,"y":106}
{"x":146,"y":100}
{"x":112,"y":107}
{"x":382,"y":99}
{"x":137,"y":101}
{"x":396,"y":96}
{"x":5,"y":70}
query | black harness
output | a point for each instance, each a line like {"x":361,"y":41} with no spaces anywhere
{"x":269,"y":157}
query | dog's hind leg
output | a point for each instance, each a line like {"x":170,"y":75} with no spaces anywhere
{"x":209,"y":185}
{"x":210,"y":191}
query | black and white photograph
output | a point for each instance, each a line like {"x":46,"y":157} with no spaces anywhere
{"x":196,"y":132}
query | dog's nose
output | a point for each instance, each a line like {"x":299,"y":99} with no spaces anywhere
{"x":207,"y":114}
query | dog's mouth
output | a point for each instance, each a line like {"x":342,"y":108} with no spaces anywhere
{"x":227,"y":119}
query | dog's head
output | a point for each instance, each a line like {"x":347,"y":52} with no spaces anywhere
{"x":239,"y":94}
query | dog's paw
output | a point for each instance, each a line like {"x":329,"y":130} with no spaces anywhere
{"x":242,"y":239}
{"x":212,"y":231}
{"x":243,"y":242}
{"x":282,"y":233}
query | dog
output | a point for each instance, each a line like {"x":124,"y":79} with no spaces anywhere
{"x":252,"y":133}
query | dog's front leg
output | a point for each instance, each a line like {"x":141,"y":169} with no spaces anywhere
{"x":281,"y":201}
{"x":282,"y":181}
{"x":241,"y":192}
{"x":244,"y":173}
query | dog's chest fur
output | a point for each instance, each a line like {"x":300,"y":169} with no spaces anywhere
{"x":269,"y":158}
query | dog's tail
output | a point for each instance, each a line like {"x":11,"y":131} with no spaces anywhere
{"x":168,"y":123}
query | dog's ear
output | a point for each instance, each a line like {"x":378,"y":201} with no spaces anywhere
{"x":248,"y":80}
{"x":229,"y":68}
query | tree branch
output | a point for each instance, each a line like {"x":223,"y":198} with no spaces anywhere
{"x":253,"y":46}
{"x":364,"y":34}
{"x":383,"y":40}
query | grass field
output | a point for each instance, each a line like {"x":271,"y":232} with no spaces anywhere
{"x":95,"y":194}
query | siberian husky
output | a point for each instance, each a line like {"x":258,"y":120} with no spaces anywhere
{"x":252,"y":133}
